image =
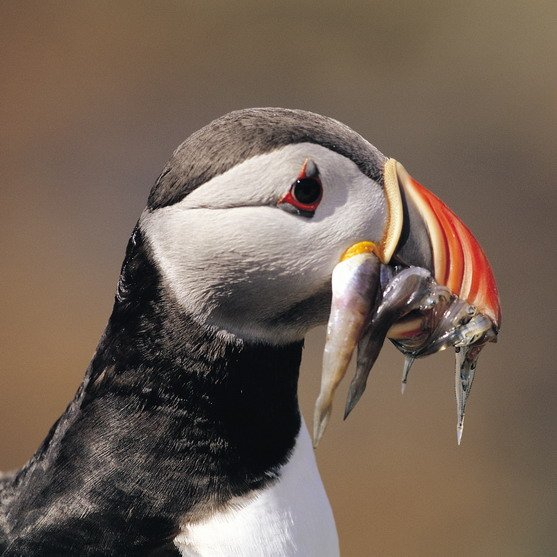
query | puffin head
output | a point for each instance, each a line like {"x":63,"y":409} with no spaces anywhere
{"x":268,"y":222}
{"x":253,"y":212}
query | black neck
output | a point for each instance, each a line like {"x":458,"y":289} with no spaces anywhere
{"x":173,"y":419}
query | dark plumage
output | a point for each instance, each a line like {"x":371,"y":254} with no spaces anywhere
{"x":242,"y":134}
{"x":173,"y":417}
{"x":163,"y":427}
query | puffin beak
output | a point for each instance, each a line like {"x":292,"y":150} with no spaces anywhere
{"x":448,"y":300}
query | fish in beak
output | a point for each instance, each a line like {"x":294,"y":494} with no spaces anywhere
{"x":426,"y":286}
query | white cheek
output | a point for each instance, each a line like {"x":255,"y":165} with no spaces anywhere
{"x":240,"y":267}
{"x":353,"y":206}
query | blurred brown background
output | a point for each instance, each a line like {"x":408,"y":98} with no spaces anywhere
{"x":96,"y":95}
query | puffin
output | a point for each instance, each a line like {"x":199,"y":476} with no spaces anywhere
{"x":185,"y":437}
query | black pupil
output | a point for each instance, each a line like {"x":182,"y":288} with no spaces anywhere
{"x":307,"y":190}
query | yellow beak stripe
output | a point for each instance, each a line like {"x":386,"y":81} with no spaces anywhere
{"x":395,"y":213}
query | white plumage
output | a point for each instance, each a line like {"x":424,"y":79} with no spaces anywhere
{"x":291,"y":518}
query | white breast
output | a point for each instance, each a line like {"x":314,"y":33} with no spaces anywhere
{"x":290,"y":518}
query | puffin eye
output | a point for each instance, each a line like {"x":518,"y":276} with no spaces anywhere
{"x":305,"y":193}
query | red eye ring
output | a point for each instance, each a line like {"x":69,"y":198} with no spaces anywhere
{"x":306,"y":192}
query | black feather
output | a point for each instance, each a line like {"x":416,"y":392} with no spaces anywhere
{"x":237,"y":136}
{"x":172,"y":420}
